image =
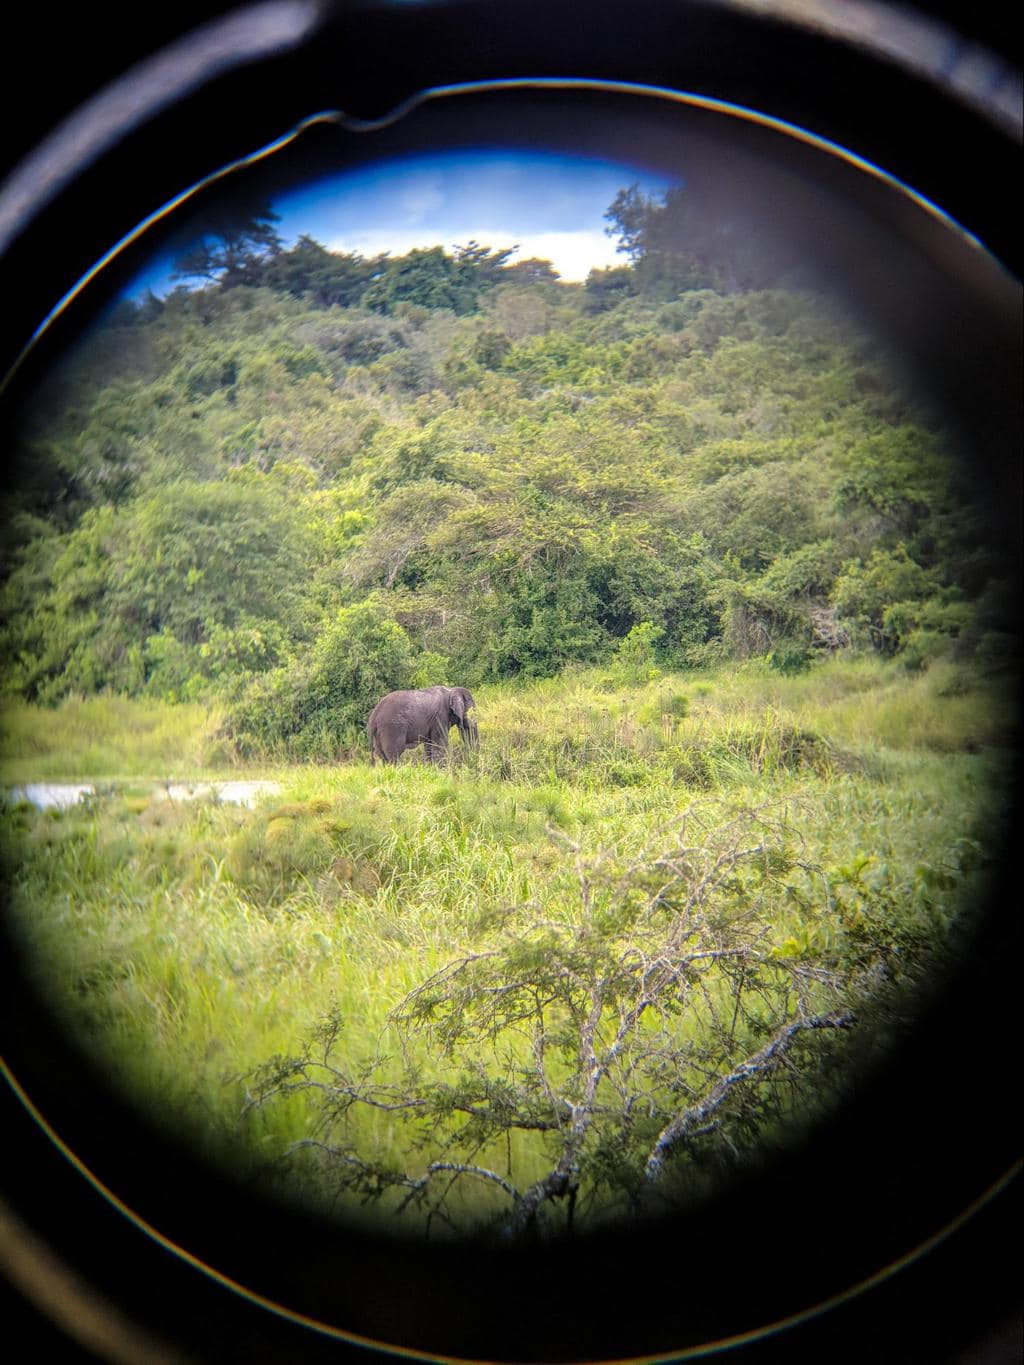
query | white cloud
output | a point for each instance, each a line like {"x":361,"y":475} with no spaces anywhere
{"x":419,"y":196}
{"x":573,"y":253}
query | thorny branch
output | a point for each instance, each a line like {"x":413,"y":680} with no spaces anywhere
{"x":764,"y":1060}
{"x":644,"y":1008}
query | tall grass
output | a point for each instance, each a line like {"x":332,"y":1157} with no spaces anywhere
{"x":191,"y":943}
{"x":107,"y":736}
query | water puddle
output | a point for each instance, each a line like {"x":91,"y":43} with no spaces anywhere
{"x":50,"y":795}
{"x":62,"y":795}
{"x":237,"y":793}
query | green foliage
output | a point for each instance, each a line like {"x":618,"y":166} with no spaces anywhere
{"x":635,"y":653}
{"x":236,"y":237}
{"x":884,"y":596}
{"x":318,"y":704}
{"x":538,"y":625}
{"x":791,"y":658}
{"x":192,"y":585}
{"x":430,"y":278}
{"x":521,"y":472}
{"x":325,"y":278}
{"x":606,"y":288}
{"x":427,"y":668}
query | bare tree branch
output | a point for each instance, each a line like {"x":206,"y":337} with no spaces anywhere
{"x":612,"y":1027}
{"x":459,"y":1168}
{"x":684,"y":1124}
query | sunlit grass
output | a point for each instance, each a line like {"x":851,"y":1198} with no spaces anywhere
{"x":107,"y":736}
{"x":189,"y":943}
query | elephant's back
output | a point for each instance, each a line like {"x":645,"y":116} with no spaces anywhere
{"x":391,"y":707}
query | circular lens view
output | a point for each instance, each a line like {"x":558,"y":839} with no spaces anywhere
{"x":510,"y":667}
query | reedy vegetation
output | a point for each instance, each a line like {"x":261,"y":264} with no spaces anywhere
{"x":419,"y":949}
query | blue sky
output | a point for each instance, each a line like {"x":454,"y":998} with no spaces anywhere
{"x":551,"y":205}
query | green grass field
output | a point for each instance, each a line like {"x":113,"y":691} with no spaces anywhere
{"x":192,"y":943}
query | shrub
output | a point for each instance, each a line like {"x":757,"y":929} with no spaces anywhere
{"x":921,"y":647}
{"x":429,"y":669}
{"x":998,"y":650}
{"x":791,"y":657}
{"x":883,"y":597}
{"x":634,"y":655}
{"x":313,"y":707}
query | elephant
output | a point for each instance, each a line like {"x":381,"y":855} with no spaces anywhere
{"x":425,"y":716}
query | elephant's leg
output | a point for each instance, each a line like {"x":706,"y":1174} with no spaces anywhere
{"x":437,"y":749}
{"x":389,"y":743}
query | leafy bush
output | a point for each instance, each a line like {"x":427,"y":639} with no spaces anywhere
{"x":879,"y":597}
{"x":527,"y":471}
{"x":794,"y":657}
{"x":922,"y":646}
{"x":315,"y":707}
{"x":194,"y":564}
{"x":635,"y":654}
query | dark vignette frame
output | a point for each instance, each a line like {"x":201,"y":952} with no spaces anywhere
{"x":667,"y":1287}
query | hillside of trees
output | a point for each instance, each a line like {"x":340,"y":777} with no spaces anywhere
{"x":306,"y":477}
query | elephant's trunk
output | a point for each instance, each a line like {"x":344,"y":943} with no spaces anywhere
{"x":470,"y":733}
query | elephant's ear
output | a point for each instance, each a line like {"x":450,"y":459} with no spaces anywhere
{"x":457,"y":703}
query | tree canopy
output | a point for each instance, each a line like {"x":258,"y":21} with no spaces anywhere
{"x":513,"y":472}
{"x":235,"y":240}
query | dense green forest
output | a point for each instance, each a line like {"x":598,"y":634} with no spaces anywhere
{"x":318,"y":477}
{"x":743,"y":661}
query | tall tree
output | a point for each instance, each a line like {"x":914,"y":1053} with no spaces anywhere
{"x":712,"y":233}
{"x":482,"y":263}
{"x":234,"y":242}
{"x":628,"y":217}
{"x":326,"y":278}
